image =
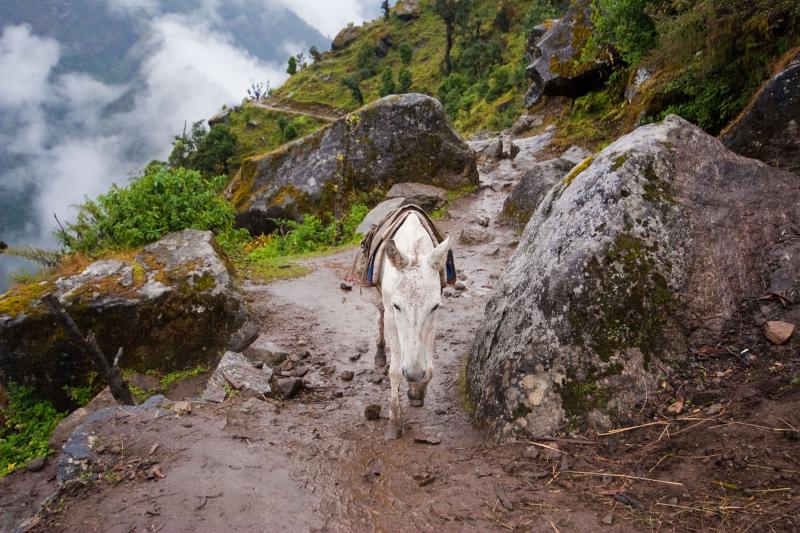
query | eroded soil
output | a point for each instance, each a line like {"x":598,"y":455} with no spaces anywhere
{"x":728,"y":461}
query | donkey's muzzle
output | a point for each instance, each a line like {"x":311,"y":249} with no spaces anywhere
{"x":413,"y":376}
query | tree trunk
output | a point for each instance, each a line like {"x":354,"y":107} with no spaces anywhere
{"x":109,"y":373}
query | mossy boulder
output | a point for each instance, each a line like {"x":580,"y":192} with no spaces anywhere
{"x":170,"y":306}
{"x":531,"y":189}
{"x":346,"y":36}
{"x":769,"y":129}
{"x":561,"y":63}
{"x":399,"y":138}
{"x":650,"y":247}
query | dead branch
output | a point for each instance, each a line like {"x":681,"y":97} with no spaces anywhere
{"x":118,"y":386}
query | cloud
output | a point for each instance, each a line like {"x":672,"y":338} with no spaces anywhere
{"x":329,"y":17}
{"x":25,"y":64}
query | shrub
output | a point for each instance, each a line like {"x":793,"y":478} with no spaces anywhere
{"x":160,"y":201}
{"x":291,"y":67}
{"x":366,"y":63}
{"x":387,"y":83}
{"x":451,"y":91}
{"x":353,"y":83}
{"x":625,"y":24}
{"x":406,"y":53}
{"x":205,"y":150}
{"x":403,"y":80}
{"x":28,"y":424}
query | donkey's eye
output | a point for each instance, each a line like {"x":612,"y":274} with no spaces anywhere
{"x":396,"y":306}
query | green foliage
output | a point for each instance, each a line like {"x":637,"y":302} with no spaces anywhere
{"x":625,"y":24}
{"x":406,"y":53}
{"x":720,"y":55}
{"x":404,"y":80}
{"x":478,"y":56}
{"x":168,"y":380}
{"x":291,"y":67}
{"x":451,"y":92}
{"x":387,"y":83}
{"x":366,"y":62}
{"x":160,"y":201}
{"x":352,"y":83}
{"x":311,"y":235}
{"x":80,"y":395}
{"x":542,"y":10}
{"x":205,"y":150}
{"x":315,"y":54}
{"x":28,"y":424}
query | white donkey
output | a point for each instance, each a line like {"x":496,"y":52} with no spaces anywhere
{"x":411,"y":293}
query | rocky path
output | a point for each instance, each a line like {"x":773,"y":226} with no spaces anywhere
{"x":315,"y":463}
{"x":310,"y":110}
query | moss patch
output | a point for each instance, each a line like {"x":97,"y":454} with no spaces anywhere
{"x":579,"y":396}
{"x":23,"y":299}
{"x":580,"y":167}
{"x":627,"y":301}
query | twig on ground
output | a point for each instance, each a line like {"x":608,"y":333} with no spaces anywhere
{"x":623,"y":476}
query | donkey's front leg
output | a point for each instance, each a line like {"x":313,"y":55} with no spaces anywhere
{"x":394,"y":429}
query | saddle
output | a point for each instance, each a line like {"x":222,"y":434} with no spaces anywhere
{"x":366,"y":263}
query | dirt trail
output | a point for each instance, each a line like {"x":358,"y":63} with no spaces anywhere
{"x":310,"y":110}
{"x":314,"y":463}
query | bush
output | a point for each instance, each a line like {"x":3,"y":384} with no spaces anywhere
{"x":387,"y":83}
{"x":406,"y":53}
{"x":310,"y":235}
{"x":366,"y":63}
{"x":624,"y":24}
{"x":451,"y":91}
{"x":162,"y":200}
{"x":205,"y":150}
{"x":291,"y":67}
{"x":353,"y":83}
{"x":403,"y":80}
{"x":28,"y":424}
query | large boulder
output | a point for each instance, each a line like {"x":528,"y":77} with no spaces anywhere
{"x":346,"y":36}
{"x":407,"y":9}
{"x":429,"y":197}
{"x":171,"y":306}
{"x":531,"y":189}
{"x":770,"y":128}
{"x":653,"y":247}
{"x":559,"y":65}
{"x":397,"y":138}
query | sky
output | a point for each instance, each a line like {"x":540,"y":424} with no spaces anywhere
{"x":190,"y":70}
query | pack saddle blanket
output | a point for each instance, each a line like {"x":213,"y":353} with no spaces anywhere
{"x":366,"y":264}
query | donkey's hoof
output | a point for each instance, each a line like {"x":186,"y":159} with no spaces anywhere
{"x":414,"y":402}
{"x":393,"y":432}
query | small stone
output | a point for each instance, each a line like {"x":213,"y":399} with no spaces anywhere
{"x":355,"y":357}
{"x":347,"y":375}
{"x":448,"y":292}
{"x":531,"y":452}
{"x":259,"y":364}
{"x":300,"y":371}
{"x":608,"y":519}
{"x":327,"y":370}
{"x":377,"y":379}
{"x":289,"y":387}
{"x":181,"y":408}
{"x":440,"y":412}
{"x":372,"y":412}
{"x":483,"y":221}
{"x":338,"y":394}
{"x":345,"y":286}
{"x":778,"y":331}
{"x":35,"y":465}
{"x":553,"y":452}
{"x":460,"y":286}
{"x":676,"y":407}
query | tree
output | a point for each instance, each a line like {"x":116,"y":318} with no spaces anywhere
{"x":406,"y":53}
{"x":352,"y":83}
{"x":314,"y":53}
{"x":185,"y":144}
{"x":451,"y":12}
{"x":291,"y":69}
{"x":385,"y":7}
{"x":301,"y":61}
{"x":403,"y":80}
{"x":365,"y":61}
{"x":387,"y":83}
{"x":214,"y":150}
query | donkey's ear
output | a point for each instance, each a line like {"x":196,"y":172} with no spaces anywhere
{"x":438,"y":257}
{"x":396,"y":257}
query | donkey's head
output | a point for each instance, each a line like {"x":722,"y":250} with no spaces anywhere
{"x":416,"y":295}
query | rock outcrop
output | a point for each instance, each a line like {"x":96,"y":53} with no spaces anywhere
{"x":397,"y":138}
{"x":407,"y":10}
{"x":770,"y":128}
{"x":171,"y":306}
{"x":346,"y":36}
{"x":558,"y":66}
{"x":658,"y":244}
